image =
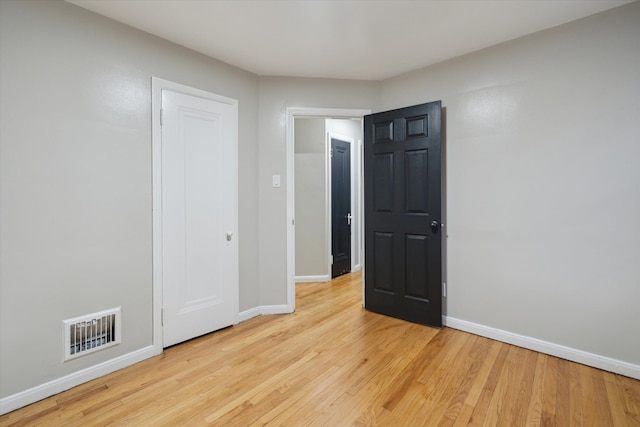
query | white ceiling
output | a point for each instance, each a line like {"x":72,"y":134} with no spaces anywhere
{"x":351,"y":39}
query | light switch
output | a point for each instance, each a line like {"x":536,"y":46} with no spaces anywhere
{"x":275,"y":181}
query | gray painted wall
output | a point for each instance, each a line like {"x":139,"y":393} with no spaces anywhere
{"x":310,"y":197}
{"x":75,"y":183}
{"x":543,"y":182}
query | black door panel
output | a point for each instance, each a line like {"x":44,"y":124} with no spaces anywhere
{"x":340,"y":207}
{"x":402,"y":180}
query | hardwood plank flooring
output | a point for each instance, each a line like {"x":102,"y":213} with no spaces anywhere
{"x":333,"y":363}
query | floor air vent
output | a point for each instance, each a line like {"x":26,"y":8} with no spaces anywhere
{"x":90,"y":333}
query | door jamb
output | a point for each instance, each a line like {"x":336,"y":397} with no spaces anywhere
{"x":291,"y":114}
{"x":157,"y":85}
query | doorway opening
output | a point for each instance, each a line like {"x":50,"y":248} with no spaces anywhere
{"x":314,"y":158}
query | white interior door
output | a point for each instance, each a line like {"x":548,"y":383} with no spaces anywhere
{"x":199,"y":216}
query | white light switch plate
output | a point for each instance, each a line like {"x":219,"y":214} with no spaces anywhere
{"x":275,"y":181}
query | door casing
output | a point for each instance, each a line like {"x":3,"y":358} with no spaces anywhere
{"x":157,"y":85}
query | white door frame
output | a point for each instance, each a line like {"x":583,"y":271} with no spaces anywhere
{"x":157,"y":85}
{"x":291,"y":114}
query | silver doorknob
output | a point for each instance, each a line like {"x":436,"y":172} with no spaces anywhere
{"x":229,"y":235}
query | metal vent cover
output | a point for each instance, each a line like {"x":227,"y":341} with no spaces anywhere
{"x":90,"y":333}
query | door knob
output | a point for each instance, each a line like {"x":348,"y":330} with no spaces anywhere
{"x":229,"y":235}
{"x":434,"y":226}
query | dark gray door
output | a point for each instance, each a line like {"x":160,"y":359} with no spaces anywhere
{"x":402,"y":181}
{"x":340,"y":207}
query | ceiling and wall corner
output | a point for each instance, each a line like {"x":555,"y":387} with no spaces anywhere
{"x":360,"y":39}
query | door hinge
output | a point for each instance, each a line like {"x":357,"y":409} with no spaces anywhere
{"x":162,"y":316}
{"x":444,"y":289}
{"x":331,"y":153}
{"x":161,"y":116}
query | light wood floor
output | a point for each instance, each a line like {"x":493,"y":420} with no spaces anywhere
{"x":333,"y":363}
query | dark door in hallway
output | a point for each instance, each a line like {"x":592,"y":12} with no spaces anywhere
{"x":340,"y":207}
{"x":402,"y":188}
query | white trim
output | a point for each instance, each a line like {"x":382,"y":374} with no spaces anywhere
{"x":275,"y":309}
{"x":572,"y":354}
{"x":291,"y":209}
{"x":291,"y":114}
{"x":328,"y":226}
{"x":157,"y":85}
{"x":355,"y":219}
{"x":248,"y":314}
{"x":26,"y":397}
{"x":361,"y":208}
{"x":356,"y":197}
{"x":308,"y":279}
{"x":156,"y":166}
{"x":262,"y":310}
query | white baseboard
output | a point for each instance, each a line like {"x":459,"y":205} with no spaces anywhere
{"x":248,"y":314}
{"x":305,"y":279}
{"x":572,"y":354}
{"x":50,"y":388}
{"x":264,"y":309}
